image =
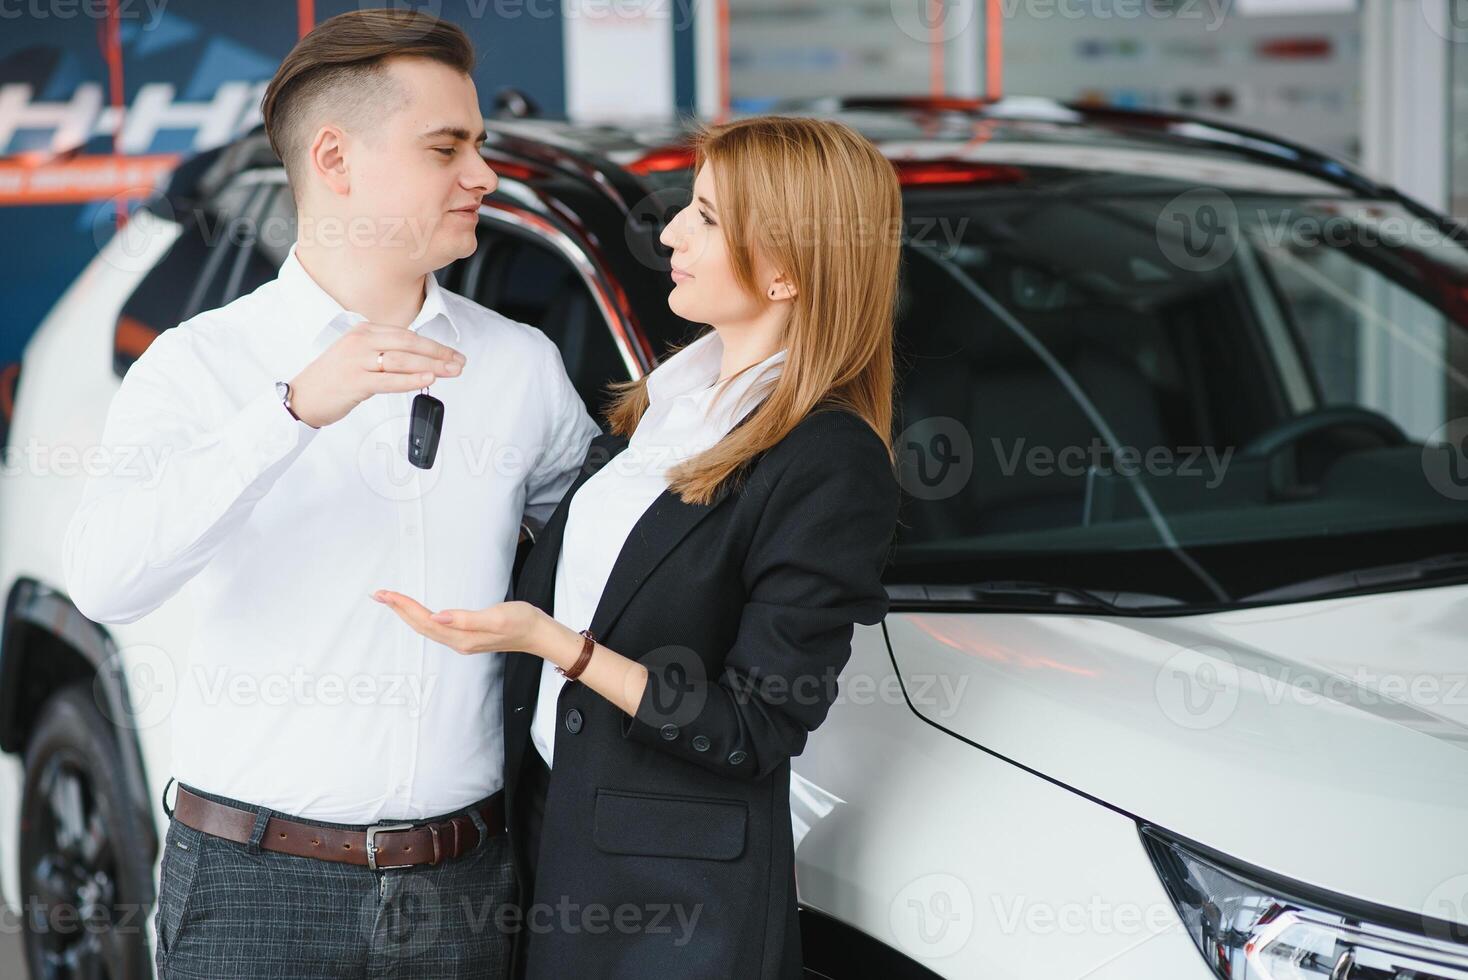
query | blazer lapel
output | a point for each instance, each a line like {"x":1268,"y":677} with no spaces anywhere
{"x":657,"y":532}
{"x":665,"y":523}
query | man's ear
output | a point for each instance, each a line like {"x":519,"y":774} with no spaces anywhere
{"x":328,"y":159}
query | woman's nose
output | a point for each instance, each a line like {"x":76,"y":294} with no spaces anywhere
{"x":672,"y":235}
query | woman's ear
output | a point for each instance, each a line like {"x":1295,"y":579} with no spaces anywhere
{"x":781,"y":289}
{"x":328,"y":159}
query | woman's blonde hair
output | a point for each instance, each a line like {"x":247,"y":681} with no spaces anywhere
{"x":823,"y":206}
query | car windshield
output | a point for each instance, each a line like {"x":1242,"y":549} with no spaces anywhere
{"x":1168,"y":396}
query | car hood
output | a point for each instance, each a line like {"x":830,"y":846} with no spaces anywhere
{"x":1326,"y":741}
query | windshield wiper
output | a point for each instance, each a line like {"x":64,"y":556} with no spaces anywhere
{"x":1028,"y":595}
{"x":1446,"y":566}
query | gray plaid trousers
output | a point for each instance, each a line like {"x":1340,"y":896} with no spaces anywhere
{"x":228,"y":910}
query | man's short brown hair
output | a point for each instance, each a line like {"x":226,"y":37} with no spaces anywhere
{"x":339,"y":66}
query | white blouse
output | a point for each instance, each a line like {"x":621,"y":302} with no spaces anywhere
{"x":683,"y":419}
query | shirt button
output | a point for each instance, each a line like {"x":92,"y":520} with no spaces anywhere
{"x":669,"y":732}
{"x":573,"y":721}
{"x":700,"y":743}
{"x":737,"y":756}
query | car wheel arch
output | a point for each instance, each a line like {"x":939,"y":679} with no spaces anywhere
{"x":47,"y":645}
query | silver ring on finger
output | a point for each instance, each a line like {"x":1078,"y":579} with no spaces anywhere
{"x":379,"y":360}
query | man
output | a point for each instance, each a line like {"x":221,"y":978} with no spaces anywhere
{"x":339,"y":807}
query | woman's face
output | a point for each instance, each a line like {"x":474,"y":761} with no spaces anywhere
{"x":705,"y":289}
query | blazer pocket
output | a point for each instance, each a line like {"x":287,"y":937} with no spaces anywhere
{"x":669,"y":826}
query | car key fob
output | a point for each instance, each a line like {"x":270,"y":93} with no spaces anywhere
{"x":424,"y":430}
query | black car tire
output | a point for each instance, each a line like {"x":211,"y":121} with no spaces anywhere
{"x":85,"y":869}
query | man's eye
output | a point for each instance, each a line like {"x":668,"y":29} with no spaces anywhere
{"x":447,"y":151}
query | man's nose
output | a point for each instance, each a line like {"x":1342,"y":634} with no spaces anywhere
{"x":483,"y":178}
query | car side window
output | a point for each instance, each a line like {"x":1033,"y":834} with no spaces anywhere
{"x":187,"y":279}
{"x":993,"y":438}
{"x":264,"y":240}
{"x":530,"y":282}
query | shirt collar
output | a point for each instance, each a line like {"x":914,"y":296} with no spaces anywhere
{"x":317,"y":319}
{"x":695,"y":369}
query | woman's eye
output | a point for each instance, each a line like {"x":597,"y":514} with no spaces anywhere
{"x":704,"y":214}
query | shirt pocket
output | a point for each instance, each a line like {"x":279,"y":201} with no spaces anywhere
{"x":655,"y":825}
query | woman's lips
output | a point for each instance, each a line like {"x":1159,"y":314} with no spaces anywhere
{"x":680,"y":276}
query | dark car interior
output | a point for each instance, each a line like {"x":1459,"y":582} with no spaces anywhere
{"x":526,"y":281}
{"x":1028,"y":361}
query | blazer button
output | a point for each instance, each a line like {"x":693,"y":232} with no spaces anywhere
{"x":737,"y":756}
{"x":700,"y":743}
{"x":573,"y":721}
{"x":669,"y":732}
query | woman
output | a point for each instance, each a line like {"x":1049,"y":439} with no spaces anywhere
{"x":717,"y":548}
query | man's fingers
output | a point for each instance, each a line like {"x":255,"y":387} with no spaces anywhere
{"x":402,"y":362}
{"x":384,"y":337}
{"x":379,"y":384}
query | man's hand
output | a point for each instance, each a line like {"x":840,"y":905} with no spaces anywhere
{"x":346,"y":374}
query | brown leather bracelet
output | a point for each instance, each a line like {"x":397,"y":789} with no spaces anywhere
{"x":585,"y":658}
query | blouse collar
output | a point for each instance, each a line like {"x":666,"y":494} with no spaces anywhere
{"x":693,"y":371}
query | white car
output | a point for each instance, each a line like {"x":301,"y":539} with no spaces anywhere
{"x":1174,"y":685}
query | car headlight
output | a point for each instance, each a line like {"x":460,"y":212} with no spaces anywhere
{"x":1249,"y":928}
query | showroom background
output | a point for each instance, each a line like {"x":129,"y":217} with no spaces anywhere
{"x":100,"y":97}
{"x":97,"y":97}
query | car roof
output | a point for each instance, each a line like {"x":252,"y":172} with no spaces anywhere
{"x":1020,"y":131}
{"x":1046,"y":139}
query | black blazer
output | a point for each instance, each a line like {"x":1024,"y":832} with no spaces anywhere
{"x":678,"y":818}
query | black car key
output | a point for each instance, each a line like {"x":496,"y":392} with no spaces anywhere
{"x":424,"y":430}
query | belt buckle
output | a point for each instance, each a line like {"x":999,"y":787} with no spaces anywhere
{"x":372,"y":832}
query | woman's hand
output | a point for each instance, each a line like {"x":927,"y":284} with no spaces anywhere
{"x":524,"y":627}
{"x":507,"y":626}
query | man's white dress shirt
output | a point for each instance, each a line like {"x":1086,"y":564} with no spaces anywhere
{"x":687,"y":413}
{"x":297,"y":690}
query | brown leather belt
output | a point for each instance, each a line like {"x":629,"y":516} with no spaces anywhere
{"x":395,"y":844}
